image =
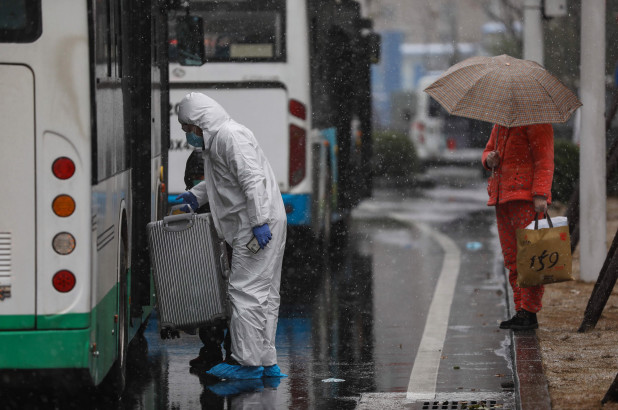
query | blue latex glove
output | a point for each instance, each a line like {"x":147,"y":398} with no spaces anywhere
{"x":189,"y":199}
{"x":262,"y":234}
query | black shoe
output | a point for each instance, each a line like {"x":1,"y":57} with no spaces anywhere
{"x":205,"y":362}
{"x":507,"y":323}
{"x":230,"y":360}
{"x":524,"y":320}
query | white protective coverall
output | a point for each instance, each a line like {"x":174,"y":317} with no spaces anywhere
{"x":243,"y":193}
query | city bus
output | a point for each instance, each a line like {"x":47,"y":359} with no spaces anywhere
{"x":84,"y":87}
{"x":295,"y":72}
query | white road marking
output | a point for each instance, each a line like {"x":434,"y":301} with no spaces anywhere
{"x":422,"y":385}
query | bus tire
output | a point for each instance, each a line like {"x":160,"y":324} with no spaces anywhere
{"x":116,"y":379}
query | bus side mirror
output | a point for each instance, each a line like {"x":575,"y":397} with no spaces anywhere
{"x":374,"y":44}
{"x":190,"y":36}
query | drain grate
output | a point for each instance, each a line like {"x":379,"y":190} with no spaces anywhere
{"x":459,"y":405}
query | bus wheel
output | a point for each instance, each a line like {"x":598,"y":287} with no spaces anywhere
{"x":116,"y":379}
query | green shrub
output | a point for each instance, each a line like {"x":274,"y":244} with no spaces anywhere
{"x":566,"y":170}
{"x":393,"y":155}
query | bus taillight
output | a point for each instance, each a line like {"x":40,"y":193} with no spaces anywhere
{"x":63,"y":243}
{"x":298,"y":140}
{"x":298,"y":109}
{"x":63,"y":205}
{"x":63,"y":281}
{"x":63,"y":168}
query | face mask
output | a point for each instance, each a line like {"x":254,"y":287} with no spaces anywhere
{"x":194,"y":140}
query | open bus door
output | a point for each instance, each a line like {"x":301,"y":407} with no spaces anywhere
{"x":147,"y":89}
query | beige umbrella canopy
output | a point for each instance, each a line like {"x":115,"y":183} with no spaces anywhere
{"x":505,"y":91}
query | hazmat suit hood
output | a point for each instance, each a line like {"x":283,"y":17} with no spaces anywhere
{"x":201,"y":110}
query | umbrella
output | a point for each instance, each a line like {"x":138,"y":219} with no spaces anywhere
{"x":505,"y":91}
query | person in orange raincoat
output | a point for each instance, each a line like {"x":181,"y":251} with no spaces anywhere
{"x":522,"y":163}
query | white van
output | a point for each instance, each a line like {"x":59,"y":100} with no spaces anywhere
{"x":427,"y":126}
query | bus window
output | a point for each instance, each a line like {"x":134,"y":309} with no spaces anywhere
{"x":190,"y":40}
{"x":242,"y":30}
{"x":20,"y":21}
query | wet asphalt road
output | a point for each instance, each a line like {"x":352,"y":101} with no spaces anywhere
{"x":352,"y":318}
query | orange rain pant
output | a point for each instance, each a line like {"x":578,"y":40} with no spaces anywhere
{"x":510,"y":217}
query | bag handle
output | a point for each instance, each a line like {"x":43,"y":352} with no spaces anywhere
{"x":536,"y":220}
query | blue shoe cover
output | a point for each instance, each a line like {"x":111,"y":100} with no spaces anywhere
{"x":232,"y":387}
{"x":271,"y":382}
{"x":273,"y":371}
{"x":226,"y":371}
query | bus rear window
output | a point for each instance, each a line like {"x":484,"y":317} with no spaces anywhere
{"x":20,"y":21}
{"x":242,"y":30}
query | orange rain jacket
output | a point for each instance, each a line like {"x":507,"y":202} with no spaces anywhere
{"x":526,"y":166}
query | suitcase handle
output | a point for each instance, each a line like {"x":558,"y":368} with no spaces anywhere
{"x":172,"y":222}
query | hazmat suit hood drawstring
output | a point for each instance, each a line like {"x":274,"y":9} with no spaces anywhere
{"x":201,"y":110}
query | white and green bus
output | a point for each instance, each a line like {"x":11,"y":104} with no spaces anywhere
{"x":83,"y":85}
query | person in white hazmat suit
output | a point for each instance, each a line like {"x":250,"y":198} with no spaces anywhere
{"x":245,"y":202}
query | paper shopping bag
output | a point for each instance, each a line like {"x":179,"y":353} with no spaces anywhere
{"x":543,"y":255}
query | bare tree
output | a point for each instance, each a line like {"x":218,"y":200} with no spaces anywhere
{"x":510,"y":14}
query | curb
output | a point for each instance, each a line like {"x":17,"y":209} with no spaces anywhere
{"x":530,"y":380}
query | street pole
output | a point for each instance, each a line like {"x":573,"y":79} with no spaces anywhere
{"x":533,"y":31}
{"x":592,"y":165}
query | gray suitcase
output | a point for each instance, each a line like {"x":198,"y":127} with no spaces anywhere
{"x":190,"y":268}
